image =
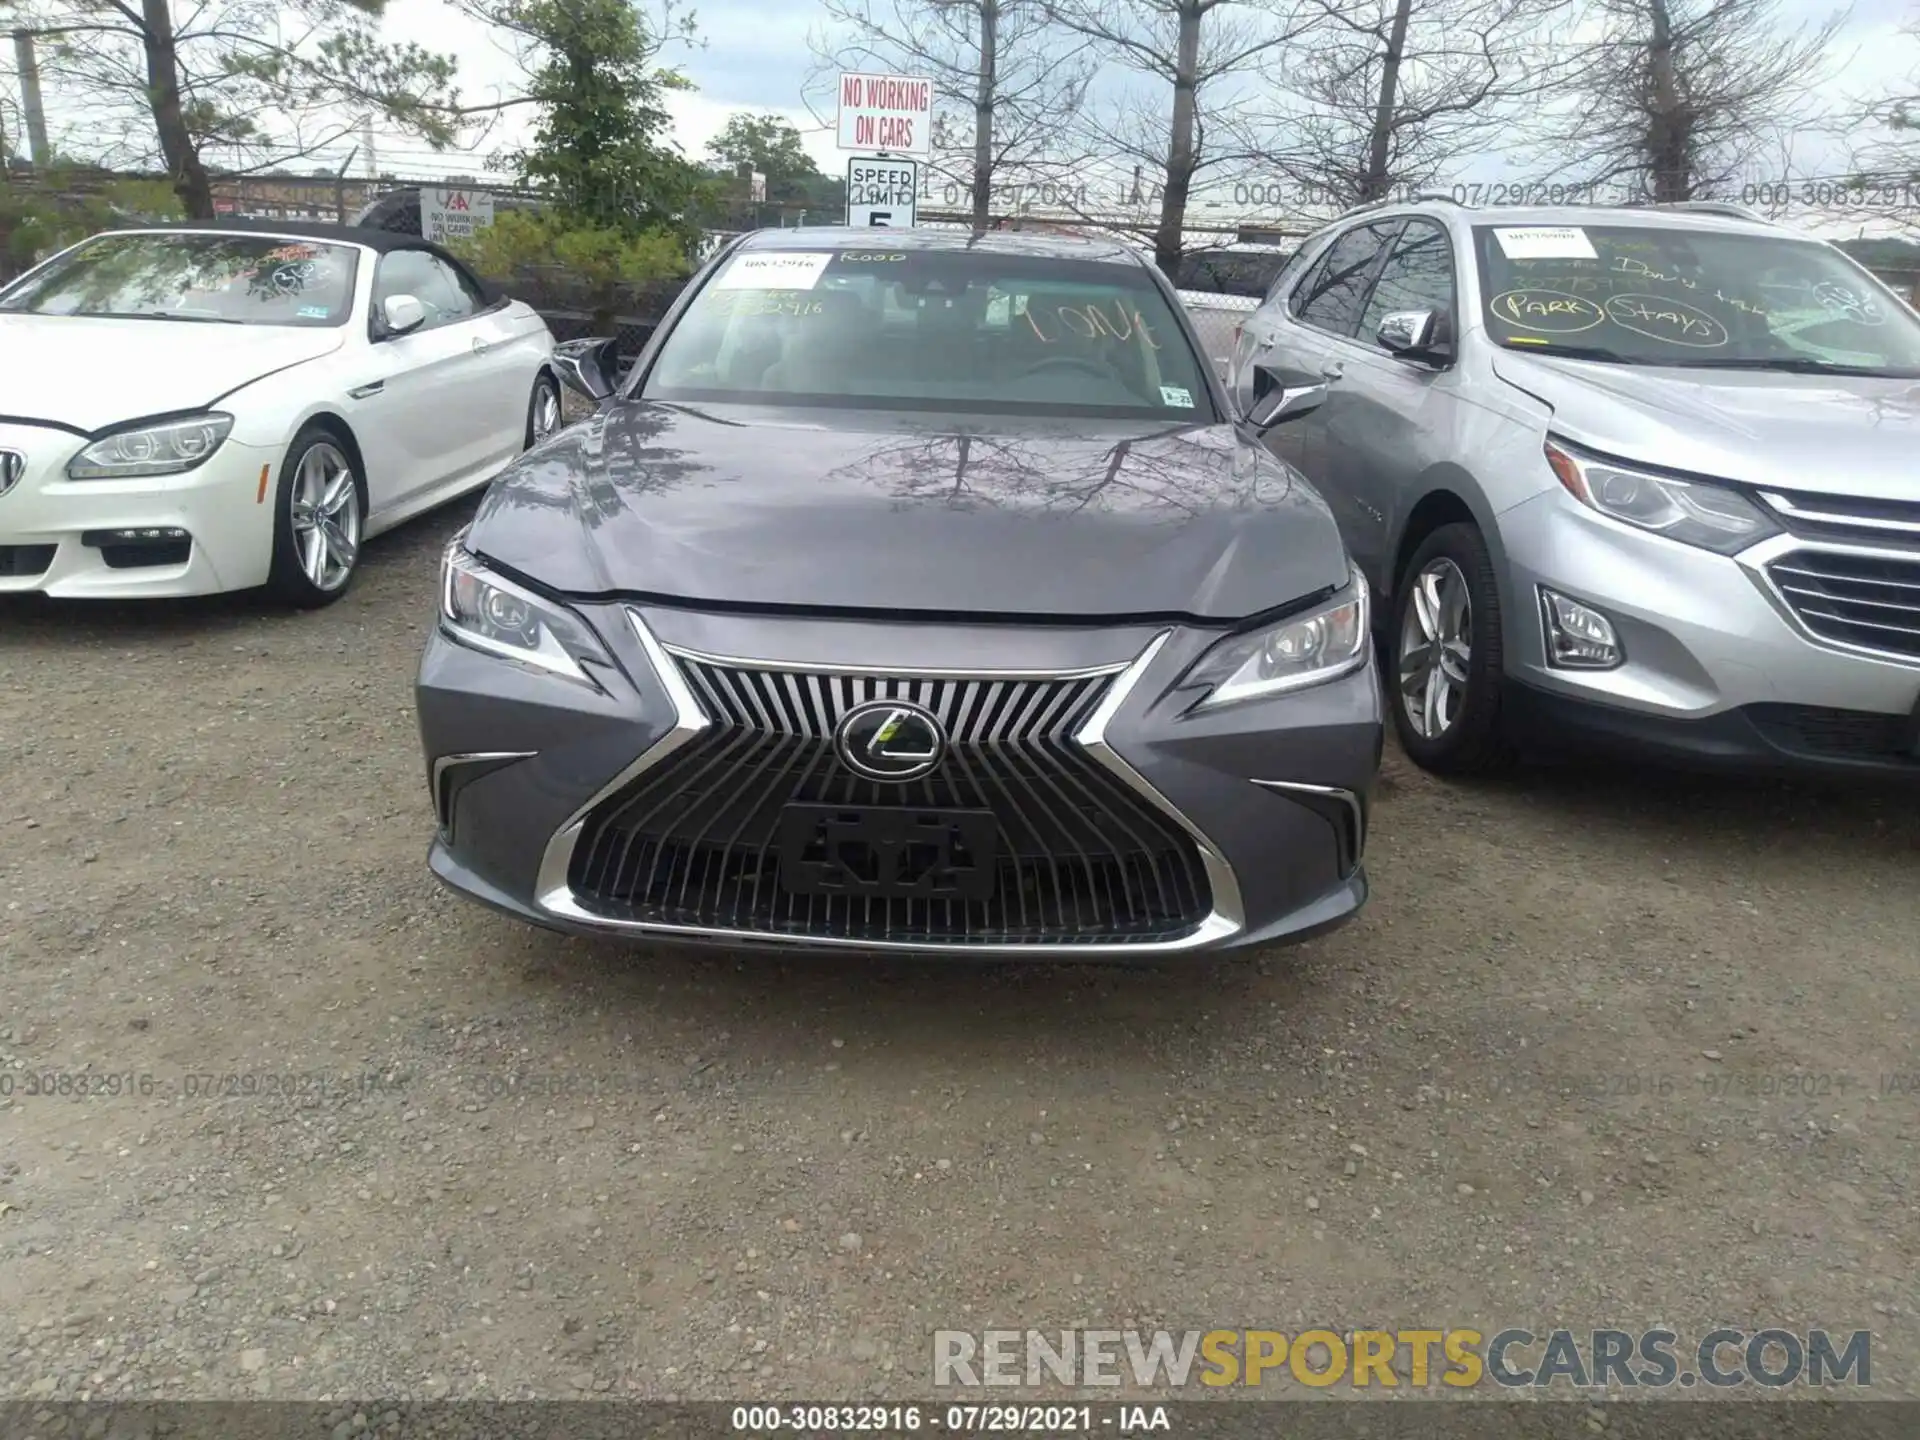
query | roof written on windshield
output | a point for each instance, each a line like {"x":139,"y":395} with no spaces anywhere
{"x":1658,"y":295}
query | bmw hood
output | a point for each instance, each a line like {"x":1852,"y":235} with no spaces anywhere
{"x":89,"y":372}
{"x":1839,"y":435}
{"x":879,"y":511}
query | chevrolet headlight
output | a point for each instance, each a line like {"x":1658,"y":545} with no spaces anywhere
{"x":1693,"y":512}
{"x":491,"y":613}
{"x":1310,"y":649}
{"x":165,"y":448}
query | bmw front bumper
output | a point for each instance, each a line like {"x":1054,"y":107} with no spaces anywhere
{"x":198,"y":533}
{"x":1076,"y":811}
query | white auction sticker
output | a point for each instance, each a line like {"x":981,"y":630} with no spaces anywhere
{"x":1545,"y":242}
{"x":775,"y":270}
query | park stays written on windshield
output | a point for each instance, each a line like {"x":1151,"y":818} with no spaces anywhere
{"x":1641,"y":295}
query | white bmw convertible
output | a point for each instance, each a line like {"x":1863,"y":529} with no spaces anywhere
{"x":218,"y":406}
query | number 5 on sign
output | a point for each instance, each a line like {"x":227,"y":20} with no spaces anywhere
{"x":880,"y":217}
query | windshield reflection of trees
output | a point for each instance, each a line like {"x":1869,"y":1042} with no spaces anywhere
{"x":144,"y":275}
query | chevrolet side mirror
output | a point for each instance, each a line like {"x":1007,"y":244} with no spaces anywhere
{"x":1416,"y":334}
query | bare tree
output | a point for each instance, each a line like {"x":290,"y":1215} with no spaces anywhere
{"x":1882,"y":176}
{"x":1202,"y":52}
{"x":1004,"y":82}
{"x":1675,"y":99}
{"x":253,"y":82}
{"x":1392,"y":91}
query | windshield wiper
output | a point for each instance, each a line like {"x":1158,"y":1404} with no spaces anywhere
{"x":1574,"y":352}
{"x":1802,"y":365}
{"x":157,"y":315}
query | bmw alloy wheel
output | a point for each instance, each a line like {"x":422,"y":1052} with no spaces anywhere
{"x":1436,"y":649}
{"x":325,"y":505}
{"x":546,"y":409}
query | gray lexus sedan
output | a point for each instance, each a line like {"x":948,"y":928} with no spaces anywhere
{"x":915,"y":591}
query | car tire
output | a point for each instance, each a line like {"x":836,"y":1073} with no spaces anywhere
{"x":320,"y":502}
{"x":543,"y":409}
{"x":1444,"y":657}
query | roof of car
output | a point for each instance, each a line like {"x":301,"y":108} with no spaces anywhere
{"x":1652,"y":217}
{"x":1064,"y":246}
{"x":367,"y":235}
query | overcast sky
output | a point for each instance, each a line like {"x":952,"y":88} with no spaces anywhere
{"x":757,"y":58}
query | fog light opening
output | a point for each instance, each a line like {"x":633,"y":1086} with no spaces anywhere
{"x":134,"y":547}
{"x":1579,"y":637}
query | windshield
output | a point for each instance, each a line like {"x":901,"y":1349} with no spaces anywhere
{"x":930,"y":330}
{"x":235,"y":279}
{"x":1641,"y":295}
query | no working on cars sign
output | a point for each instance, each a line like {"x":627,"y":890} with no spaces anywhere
{"x":892,"y":113}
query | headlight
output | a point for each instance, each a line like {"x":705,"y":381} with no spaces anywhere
{"x":1308,"y":649}
{"x":1690,"y":511}
{"x":481,"y":609}
{"x":166,"y":448}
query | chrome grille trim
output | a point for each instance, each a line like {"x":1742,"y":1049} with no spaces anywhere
{"x":555,"y":894}
{"x":1822,"y":592}
{"x":1839,"y":512}
{"x":809,"y":667}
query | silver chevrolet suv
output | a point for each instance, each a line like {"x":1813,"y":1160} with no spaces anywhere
{"x":1639,"y":478}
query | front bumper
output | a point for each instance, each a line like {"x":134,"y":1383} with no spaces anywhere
{"x":1719,"y":672}
{"x":525,"y":765}
{"x":52,"y":528}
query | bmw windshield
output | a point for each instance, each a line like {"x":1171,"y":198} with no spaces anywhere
{"x":230,"y":279}
{"x":1696,"y":299}
{"x":933,"y":330}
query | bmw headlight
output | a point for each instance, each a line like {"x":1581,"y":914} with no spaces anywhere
{"x":491,"y":613}
{"x":1303,"y":650}
{"x":1693,"y":512}
{"x":165,"y":448}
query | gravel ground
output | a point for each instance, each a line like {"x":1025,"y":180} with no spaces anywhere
{"x":1607,"y":1048}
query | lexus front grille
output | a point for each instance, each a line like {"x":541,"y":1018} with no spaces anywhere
{"x":1860,"y":599}
{"x":1076,"y":856}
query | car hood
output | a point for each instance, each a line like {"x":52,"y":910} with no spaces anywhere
{"x":875,"y":511}
{"x":1840,"y":435}
{"x":87,"y":373}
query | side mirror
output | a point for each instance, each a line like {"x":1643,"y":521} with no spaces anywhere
{"x":1278,"y":397}
{"x":588,"y":366}
{"x":402,"y":313}
{"x":1416,"y":334}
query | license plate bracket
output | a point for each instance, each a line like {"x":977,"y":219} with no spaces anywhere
{"x":888,"y":852}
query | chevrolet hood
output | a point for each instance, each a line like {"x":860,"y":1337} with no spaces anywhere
{"x":1839,"y":435}
{"x":88,"y":372}
{"x":879,"y":511}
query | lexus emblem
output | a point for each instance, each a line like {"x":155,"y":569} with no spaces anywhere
{"x":890,"y":740}
{"x":12,"y":466}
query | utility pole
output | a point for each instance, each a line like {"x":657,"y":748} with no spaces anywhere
{"x":340,"y":186}
{"x":366,"y":143}
{"x":30,"y":98}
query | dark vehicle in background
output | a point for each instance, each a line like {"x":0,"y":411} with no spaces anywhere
{"x":1247,"y":271}
{"x":914,"y":591}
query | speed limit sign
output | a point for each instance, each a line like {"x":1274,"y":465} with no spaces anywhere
{"x":882,"y":192}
